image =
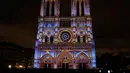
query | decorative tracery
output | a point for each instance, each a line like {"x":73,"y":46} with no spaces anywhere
{"x":82,"y":58}
{"x":47,"y":58}
{"x":64,"y":56}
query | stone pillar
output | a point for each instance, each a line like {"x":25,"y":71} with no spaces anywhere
{"x":86,"y":39}
{"x":45,"y":5}
{"x":36,"y":56}
{"x":43,"y":39}
{"x":93,"y":54}
{"x":42,"y":8}
{"x":74,"y":59}
{"x":73,"y":8}
{"x":39,"y":52}
{"x":81,"y":39}
{"x":86,"y":8}
{"x":74,"y":66}
{"x":55,"y":7}
{"x":50,"y":9}
{"x":79,"y":8}
{"x":55,"y":62}
{"x":89,"y":53}
{"x":48,"y":39}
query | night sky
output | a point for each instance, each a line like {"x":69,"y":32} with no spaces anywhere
{"x":19,"y":20}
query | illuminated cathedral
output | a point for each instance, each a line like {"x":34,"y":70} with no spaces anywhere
{"x":64,"y":37}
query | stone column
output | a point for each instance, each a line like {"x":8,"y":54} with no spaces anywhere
{"x":86,"y":8}
{"x":50,"y":9}
{"x":45,"y":5}
{"x":89,"y":53}
{"x":36,"y":56}
{"x":55,"y":64}
{"x":43,"y":39}
{"x":48,"y":39}
{"x":73,"y":8}
{"x":81,"y":39}
{"x":42,"y":8}
{"x":79,"y":8}
{"x":55,"y":7}
{"x":74,"y":65}
{"x":90,"y":56}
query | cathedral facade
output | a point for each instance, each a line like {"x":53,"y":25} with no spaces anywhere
{"x":64,"y":37}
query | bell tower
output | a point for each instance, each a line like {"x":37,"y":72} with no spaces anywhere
{"x":64,"y":37}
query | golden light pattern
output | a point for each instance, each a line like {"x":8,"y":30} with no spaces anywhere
{"x":59,"y":36}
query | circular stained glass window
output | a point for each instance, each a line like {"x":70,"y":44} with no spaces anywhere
{"x":65,"y":36}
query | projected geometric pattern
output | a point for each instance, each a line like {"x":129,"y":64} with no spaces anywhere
{"x":64,"y":36}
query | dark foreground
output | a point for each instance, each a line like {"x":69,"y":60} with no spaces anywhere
{"x":61,"y":71}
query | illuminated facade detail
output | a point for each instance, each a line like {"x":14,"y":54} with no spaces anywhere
{"x":65,"y":41}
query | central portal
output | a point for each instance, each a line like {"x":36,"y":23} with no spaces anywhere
{"x":65,"y":62}
{"x":64,"y":59}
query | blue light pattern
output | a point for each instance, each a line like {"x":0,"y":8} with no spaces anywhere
{"x":40,"y":30}
{"x":88,"y":24}
{"x":73,"y":24}
{"x":73,"y":11}
{"x":40,"y":25}
{"x":49,"y":25}
{"x":86,"y":52}
{"x":45,"y":25}
{"x":57,"y":53}
{"x":93,"y":54}
{"x":36,"y":53}
{"x":87,"y":11}
{"x":71,"y":53}
{"x":52,"y":53}
{"x":86,"y":32}
{"x":77,"y":52}
{"x":36,"y":44}
{"x":80,"y":25}
{"x":42,"y":53}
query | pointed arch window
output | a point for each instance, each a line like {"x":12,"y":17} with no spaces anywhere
{"x":53,"y":8}
{"x":47,"y":8}
{"x":49,"y":25}
{"x":46,"y":39}
{"x":77,"y":8}
{"x":82,"y":8}
{"x":84,"y":39}
{"x":78,"y":39}
{"x":80,"y":25}
{"x":45,"y":25}
{"x":51,"y":39}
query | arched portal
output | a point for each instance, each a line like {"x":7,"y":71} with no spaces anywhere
{"x":47,"y":61}
{"x":82,"y":60}
{"x":78,"y":39}
{"x":51,"y":39}
{"x":84,"y":39}
{"x":64,"y":59}
{"x":46,"y":39}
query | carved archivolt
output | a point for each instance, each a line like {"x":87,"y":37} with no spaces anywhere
{"x":64,"y":57}
{"x":47,"y":58}
{"x":82,"y":58}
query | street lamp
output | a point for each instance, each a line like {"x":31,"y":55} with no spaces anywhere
{"x":20,"y":66}
{"x":10,"y":66}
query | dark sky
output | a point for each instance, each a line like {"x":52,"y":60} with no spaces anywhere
{"x":18,"y":22}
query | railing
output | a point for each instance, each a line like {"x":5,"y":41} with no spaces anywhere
{"x":66,"y":45}
{"x":64,"y":18}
